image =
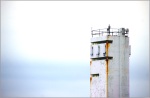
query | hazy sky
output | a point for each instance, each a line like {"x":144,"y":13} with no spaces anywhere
{"x":45,"y":45}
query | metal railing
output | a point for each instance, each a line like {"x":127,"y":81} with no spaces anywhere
{"x":110,"y":31}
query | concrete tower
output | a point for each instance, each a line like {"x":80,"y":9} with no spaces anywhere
{"x":109,"y":65}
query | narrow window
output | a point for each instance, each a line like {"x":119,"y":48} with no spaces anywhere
{"x":95,"y":75}
{"x":91,"y":50}
{"x":98,"y":51}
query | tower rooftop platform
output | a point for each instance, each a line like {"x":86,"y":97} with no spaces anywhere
{"x":110,"y":32}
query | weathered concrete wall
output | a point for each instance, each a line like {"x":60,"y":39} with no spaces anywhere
{"x":110,"y":77}
{"x":98,"y":78}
